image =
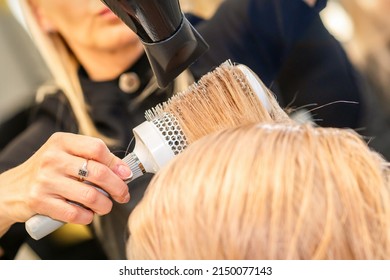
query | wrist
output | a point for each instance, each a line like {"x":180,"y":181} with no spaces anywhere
{"x":5,"y":221}
{"x":10,"y":200}
{"x":3,"y":229}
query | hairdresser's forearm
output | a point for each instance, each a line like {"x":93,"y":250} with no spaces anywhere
{"x":7,"y":196}
{"x":3,"y":229}
{"x":5,"y":222}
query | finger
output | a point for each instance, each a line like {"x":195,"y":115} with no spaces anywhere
{"x":68,"y":166}
{"x":62,"y":210}
{"x":92,"y":148}
{"x":87,"y":196}
{"x":104,"y":178}
{"x":119,"y":167}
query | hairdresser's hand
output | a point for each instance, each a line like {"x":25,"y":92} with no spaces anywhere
{"x":49,"y":179}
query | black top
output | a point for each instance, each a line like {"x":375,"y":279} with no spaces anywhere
{"x":287,"y":45}
{"x":283,"y":41}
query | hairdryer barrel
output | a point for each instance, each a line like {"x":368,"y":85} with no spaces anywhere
{"x":170,"y":41}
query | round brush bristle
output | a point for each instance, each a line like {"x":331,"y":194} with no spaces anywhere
{"x":220,"y":99}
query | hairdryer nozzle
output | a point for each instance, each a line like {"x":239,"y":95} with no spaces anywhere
{"x":171,"y":43}
{"x":172,"y":56}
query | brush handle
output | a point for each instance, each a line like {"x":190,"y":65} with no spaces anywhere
{"x":40,"y":226}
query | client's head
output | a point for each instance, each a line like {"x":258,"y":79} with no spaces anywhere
{"x":267,"y":191}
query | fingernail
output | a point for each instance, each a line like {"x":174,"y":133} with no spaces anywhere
{"x":124,"y":172}
{"x":127,"y":198}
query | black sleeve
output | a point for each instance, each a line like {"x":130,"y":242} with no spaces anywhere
{"x":286,"y":44}
{"x":52,"y":115}
{"x":318,"y":75}
{"x":257,"y":33}
{"x":26,"y":144}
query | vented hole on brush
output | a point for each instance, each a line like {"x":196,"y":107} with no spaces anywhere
{"x":171,"y":131}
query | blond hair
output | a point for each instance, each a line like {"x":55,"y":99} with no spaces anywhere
{"x":267,"y":191}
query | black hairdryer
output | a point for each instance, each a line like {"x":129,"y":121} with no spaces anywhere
{"x":170,"y":41}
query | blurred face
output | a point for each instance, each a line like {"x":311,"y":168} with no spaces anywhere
{"x":86,"y":24}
